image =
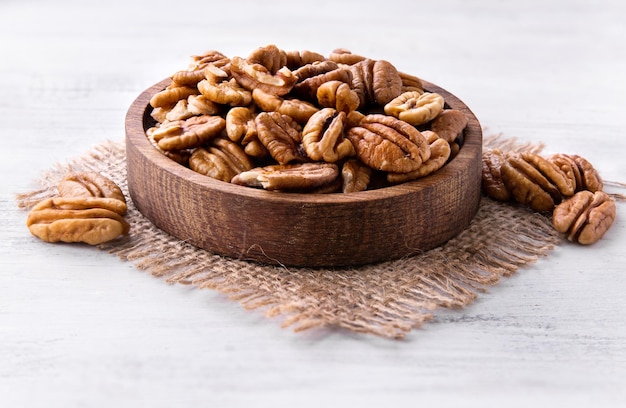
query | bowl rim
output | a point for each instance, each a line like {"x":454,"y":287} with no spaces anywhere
{"x":138,"y":116}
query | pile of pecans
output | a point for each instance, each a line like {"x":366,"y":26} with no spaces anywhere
{"x":566,"y":185}
{"x":299,"y":121}
{"x":89,"y":208}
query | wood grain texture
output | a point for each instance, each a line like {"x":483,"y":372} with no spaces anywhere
{"x":304,"y":229}
{"x":79,"y":328}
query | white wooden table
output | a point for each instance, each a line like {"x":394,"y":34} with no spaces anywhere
{"x":79,"y":328}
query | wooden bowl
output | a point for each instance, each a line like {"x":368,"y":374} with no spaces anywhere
{"x":311,"y":230}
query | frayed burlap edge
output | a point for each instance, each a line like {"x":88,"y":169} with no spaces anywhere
{"x":387,"y":299}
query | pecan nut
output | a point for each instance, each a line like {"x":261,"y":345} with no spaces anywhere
{"x":297,"y":176}
{"x":168,"y":97}
{"x":195,"y":71}
{"x":312,"y":76}
{"x":415,"y":108}
{"x":535,"y":181}
{"x":449,"y":124}
{"x":355,"y":176}
{"x":376,"y":82}
{"x":297,"y":59}
{"x":297,"y":109}
{"x":585,"y":217}
{"x":255,"y":76}
{"x":338,"y":95}
{"x":227,"y":92}
{"x":189,"y":133}
{"x":269,"y":56}
{"x":240,"y":124}
{"x":439,"y":155}
{"x":344,"y":56}
{"x":194,"y":105}
{"x":388,"y":144}
{"x":323,"y":136}
{"x":492,"y":183}
{"x":411,"y":83}
{"x":580,"y":170}
{"x":280,"y":135}
{"x":89,"y":184}
{"x":91,"y":220}
{"x":221,"y":160}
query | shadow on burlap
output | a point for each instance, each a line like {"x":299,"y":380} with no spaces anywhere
{"x":387,"y":299}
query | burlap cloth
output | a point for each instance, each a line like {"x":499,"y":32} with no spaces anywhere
{"x":387,"y":299}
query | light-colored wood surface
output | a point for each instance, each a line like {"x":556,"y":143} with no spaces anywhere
{"x":80,"y":328}
{"x":310,"y":230}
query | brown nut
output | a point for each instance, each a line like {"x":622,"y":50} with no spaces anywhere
{"x":221,"y":160}
{"x":194,"y":105}
{"x":344,"y":56}
{"x":189,"y":133}
{"x":297,"y":59}
{"x":225,"y":92}
{"x":195,"y":72}
{"x":577,"y":168}
{"x":388,"y":144}
{"x":299,"y":176}
{"x":312,"y":76}
{"x":168,"y":97}
{"x":492,"y":182}
{"x":270,"y":56}
{"x":89,"y":184}
{"x":411,"y":83}
{"x":280,"y":135}
{"x":449,"y":124}
{"x":323,"y":136}
{"x":376,"y":82}
{"x":355,"y":176}
{"x":298,"y":110}
{"x":253,"y":76}
{"x":92,"y":220}
{"x":585,"y":217}
{"x":415,"y":108}
{"x":439,"y":155}
{"x":535,"y":181}
{"x":338,"y":95}
{"x":240,"y":124}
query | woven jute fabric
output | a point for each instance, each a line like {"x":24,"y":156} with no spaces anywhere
{"x":387,"y":299}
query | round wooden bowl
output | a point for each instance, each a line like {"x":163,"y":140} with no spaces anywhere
{"x":311,"y":230}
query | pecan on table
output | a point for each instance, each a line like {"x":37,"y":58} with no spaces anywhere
{"x":92,"y":220}
{"x":585,"y":217}
{"x":535,"y":181}
{"x":492,"y":182}
{"x":580,"y":170}
{"x":89,"y":184}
